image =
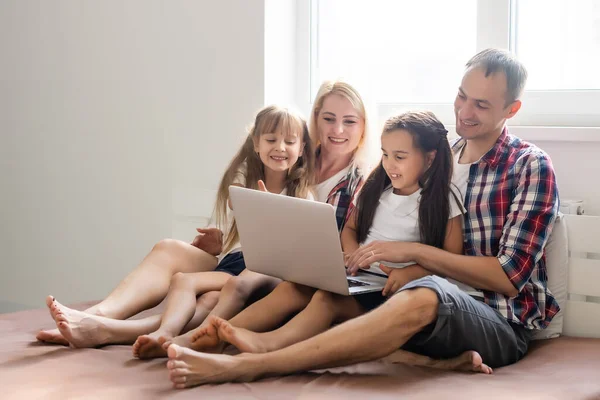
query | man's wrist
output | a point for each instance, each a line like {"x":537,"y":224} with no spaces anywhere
{"x":417,"y":252}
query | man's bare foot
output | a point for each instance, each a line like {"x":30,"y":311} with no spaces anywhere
{"x":206,"y":338}
{"x":148,"y":346}
{"x":469,"y":361}
{"x":246,"y":341}
{"x":52,"y":336}
{"x":189,"y":368}
{"x":78,"y":328}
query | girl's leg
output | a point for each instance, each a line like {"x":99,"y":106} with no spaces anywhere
{"x":180,"y":308}
{"x":147,"y":284}
{"x":269,"y":312}
{"x":324,"y":310}
{"x":81,"y":329}
{"x":232,"y":300}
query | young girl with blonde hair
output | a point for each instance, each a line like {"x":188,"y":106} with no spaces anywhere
{"x":277,"y":156}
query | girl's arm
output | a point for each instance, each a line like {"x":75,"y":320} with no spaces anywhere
{"x":398,"y":277}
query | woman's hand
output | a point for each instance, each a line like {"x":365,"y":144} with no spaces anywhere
{"x":377,"y":251}
{"x":210,"y":240}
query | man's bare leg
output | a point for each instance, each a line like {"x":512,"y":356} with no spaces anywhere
{"x":88,"y":330}
{"x":147,"y":284}
{"x":389,"y":326}
{"x":324,"y":310}
{"x":180,"y":308}
{"x":467,"y":361}
{"x":233,"y":298}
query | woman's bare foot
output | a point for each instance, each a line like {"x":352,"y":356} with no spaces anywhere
{"x":469,"y":361}
{"x":189,"y":368}
{"x":52,"y":336}
{"x":148,"y":346}
{"x":78,"y":328}
{"x":246,"y":341}
{"x":206,"y":338}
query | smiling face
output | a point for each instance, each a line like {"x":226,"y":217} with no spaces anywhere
{"x":279,"y":152}
{"x":480,"y":106}
{"x":340,"y":127}
{"x":404,"y":164}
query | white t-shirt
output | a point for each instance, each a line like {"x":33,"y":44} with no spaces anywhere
{"x":460,"y":178}
{"x":397,"y":220}
{"x":324,"y":188}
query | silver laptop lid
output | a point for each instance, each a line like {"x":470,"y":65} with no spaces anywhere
{"x":290,"y":238}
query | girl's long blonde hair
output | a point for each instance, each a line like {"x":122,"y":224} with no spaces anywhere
{"x":299,"y":179}
{"x":346,"y":90}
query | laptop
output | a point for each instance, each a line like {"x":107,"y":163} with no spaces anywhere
{"x":296,"y":240}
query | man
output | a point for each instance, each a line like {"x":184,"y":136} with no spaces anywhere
{"x":511,"y":200}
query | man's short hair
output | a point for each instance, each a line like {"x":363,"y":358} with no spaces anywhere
{"x":496,"y":60}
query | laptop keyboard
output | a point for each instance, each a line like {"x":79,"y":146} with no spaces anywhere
{"x":355,"y":283}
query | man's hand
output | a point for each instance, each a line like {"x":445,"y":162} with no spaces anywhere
{"x":397,"y":277}
{"x":377,"y":251}
{"x":210,"y":240}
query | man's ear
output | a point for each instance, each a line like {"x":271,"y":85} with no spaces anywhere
{"x":513,"y":109}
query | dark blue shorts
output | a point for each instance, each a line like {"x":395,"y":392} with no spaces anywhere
{"x":232,"y":264}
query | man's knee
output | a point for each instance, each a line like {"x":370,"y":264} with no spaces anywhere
{"x":415,"y":308}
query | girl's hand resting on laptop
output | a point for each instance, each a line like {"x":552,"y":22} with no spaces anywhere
{"x":377,"y":251}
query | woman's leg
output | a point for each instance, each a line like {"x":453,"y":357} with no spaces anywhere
{"x":81,"y":329}
{"x":180,"y":308}
{"x":147,"y":284}
{"x":324,"y":310}
{"x":232,"y":300}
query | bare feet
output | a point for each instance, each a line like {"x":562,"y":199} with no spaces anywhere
{"x":52,"y":336}
{"x":78,"y":328}
{"x":148,"y":346}
{"x":469,"y":361}
{"x":184,"y":340}
{"x":246,"y":341}
{"x":189,"y":368}
{"x":206,"y":338}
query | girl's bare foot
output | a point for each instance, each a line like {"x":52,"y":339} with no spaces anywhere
{"x":148,"y":346}
{"x":189,"y":368}
{"x":246,"y":341}
{"x":206,"y":338}
{"x":52,"y":336}
{"x":78,"y":328}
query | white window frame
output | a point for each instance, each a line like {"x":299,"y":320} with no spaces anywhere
{"x":546,"y":115}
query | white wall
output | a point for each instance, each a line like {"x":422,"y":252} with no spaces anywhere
{"x":577,"y":168}
{"x":112,"y":115}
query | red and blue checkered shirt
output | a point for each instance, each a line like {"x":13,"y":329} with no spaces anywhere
{"x":343,"y":195}
{"x":512,"y":203}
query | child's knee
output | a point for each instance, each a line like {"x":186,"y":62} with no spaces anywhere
{"x":179,"y":280}
{"x":208,"y":300}
{"x":239,"y":287}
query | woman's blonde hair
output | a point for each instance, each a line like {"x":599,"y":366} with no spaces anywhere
{"x":299,"y":179}
{"x":347,"y":91}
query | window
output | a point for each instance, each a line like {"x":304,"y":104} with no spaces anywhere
{"x":411,"y":54}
